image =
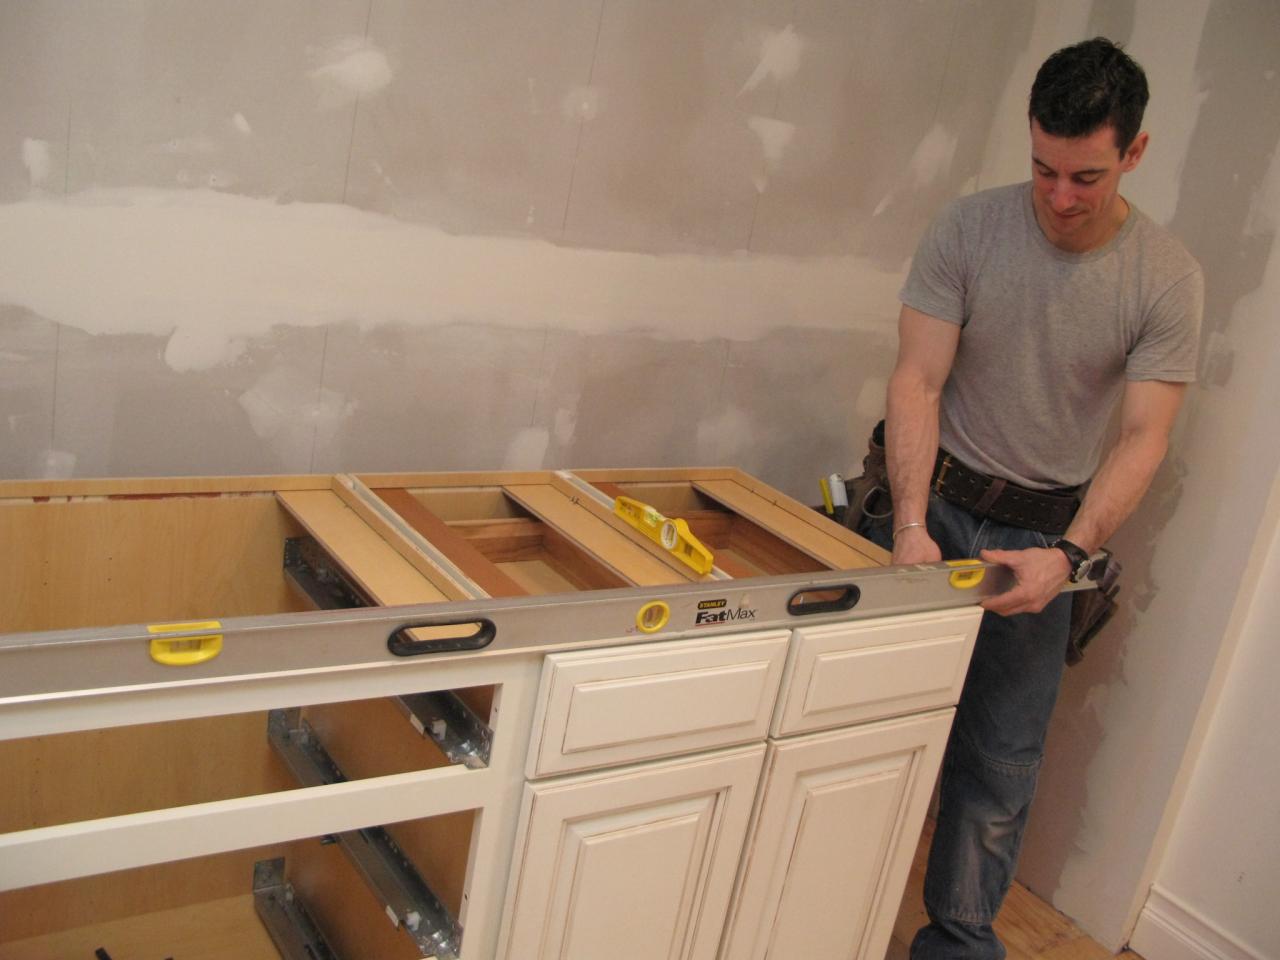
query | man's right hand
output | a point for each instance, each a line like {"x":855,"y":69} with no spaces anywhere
{"x":914,"y":545}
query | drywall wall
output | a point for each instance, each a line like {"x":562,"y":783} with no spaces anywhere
{"x":382,"y":234}
{"x":1214,"y":887}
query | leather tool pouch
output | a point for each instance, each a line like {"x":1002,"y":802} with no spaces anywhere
{"x":868,"y":494}
{"x":1092,"y":609}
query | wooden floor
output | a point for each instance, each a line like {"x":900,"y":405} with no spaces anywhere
{"x":1029,"y":928}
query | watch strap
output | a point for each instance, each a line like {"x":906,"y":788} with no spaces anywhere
{"x":1077,"y":557}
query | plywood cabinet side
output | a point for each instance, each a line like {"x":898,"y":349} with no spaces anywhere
{"x":104,"y":562}
{"x":808,"y":515}
{"x":657,"y":474}
{"x":216,"y":929}
{"x":820,"y":543}
{"x":378,"y":568}
{"x":152,"y":487}
{"x":486,"y":478}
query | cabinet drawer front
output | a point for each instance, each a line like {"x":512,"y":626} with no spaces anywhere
{"x":845,"y":674}
{"x":604,"y":707}
{"x":631,"y":864}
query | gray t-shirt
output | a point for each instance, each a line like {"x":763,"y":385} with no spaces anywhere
{"x":1049,"y":337}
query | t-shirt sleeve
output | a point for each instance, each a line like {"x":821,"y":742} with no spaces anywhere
{"x":936,"y":283}
{"x":1169,"y":343}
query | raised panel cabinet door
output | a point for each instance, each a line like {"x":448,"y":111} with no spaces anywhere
{"x":632,"y":864}
{"x":827,"y":862}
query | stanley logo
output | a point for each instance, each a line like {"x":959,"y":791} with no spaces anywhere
{"x":711,"y":604}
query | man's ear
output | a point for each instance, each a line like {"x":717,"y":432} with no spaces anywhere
{"x":1134,"y":153}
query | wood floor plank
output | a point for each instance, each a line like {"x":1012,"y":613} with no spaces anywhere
{"x":1029,"y":928}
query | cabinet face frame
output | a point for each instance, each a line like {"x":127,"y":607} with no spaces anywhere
{"x":86,"y":848}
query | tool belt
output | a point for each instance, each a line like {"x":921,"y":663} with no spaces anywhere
{"x":1046,"y":511}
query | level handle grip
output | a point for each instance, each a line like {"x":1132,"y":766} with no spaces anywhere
{"x":434,"y":636}
{"x":833,"y":599}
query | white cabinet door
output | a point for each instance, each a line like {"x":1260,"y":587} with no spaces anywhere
{"x":631,"y":864}
{"x":839,"y":817}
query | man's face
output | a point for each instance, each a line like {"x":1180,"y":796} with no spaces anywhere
{"x":1076,"y":184}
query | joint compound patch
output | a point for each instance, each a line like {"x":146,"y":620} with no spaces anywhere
{"x":35,"y":157}
{"x":581,"y":104}
{"x":775,"y":136}
{"x":354,"y":68}
{"x":779,"y":58}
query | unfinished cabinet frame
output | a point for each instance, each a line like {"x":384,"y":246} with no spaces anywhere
{"x":383,"y":621}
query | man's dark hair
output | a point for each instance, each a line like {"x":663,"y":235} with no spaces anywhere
{"x":1087,"y":86}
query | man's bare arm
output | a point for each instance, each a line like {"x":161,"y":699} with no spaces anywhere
{"x":1147,"y":412}
{"x":926,"y":350}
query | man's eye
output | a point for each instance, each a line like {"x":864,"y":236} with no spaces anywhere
{"x":1086,"y":181}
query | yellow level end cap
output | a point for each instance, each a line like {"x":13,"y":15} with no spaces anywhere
{"x":966,"y":579}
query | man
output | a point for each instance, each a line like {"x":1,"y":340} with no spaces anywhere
{"x":1030,"y":311}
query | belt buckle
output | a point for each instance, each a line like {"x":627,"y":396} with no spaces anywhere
{"x":942,"y":474}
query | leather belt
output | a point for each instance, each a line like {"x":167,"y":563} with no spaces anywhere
{"x":1046,"y":511}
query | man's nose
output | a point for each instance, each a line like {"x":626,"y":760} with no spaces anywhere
{"x":1062,"y":197}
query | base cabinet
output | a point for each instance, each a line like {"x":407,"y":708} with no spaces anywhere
{"x":634,"y":864}
{"x":832,"y":841}
{"x":354,"y":781}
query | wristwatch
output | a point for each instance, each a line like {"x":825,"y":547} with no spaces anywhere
{"x":1079,"y":560}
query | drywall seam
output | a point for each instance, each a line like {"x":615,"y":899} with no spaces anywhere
{"x":211,"y":271}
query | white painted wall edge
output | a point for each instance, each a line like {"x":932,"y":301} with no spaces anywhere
{"x":1168,"y":929}
{"x":1249,"y":585}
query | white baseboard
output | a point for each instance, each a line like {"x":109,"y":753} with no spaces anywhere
{"x":1169,"y":929}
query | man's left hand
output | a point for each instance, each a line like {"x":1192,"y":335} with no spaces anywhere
{"x":1039,"y":572}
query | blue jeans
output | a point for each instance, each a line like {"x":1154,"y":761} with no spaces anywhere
{"x":994,"y":752}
